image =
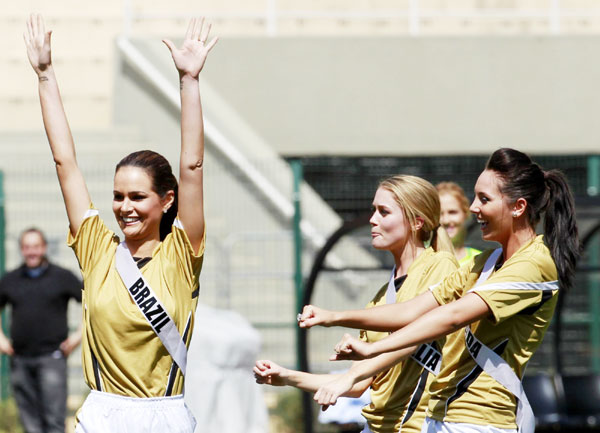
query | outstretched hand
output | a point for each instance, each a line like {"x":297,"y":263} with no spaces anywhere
{"x":190,"y":58}
{"x":37,"y":41}
{"x":269,"y":373}
{"x":314,"y":316}
{"x":351,"y":348}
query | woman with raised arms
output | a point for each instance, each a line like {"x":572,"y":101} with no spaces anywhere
{"x":501,"y":304}
{"x":406,"y":212}
{"x":140,"y":294}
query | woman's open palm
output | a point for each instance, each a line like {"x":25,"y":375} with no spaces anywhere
{"x":37,"y":40}
{"x":190,"y":58}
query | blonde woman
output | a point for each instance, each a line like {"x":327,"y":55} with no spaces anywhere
{"x":406,"y":214}
{"x":454,"y":215}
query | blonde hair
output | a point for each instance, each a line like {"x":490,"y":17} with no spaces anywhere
{"x":418,"y":198}
{"x":457,"y":192}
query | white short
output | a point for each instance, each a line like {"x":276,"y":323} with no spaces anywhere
{"x":434,"y":426}
{"x":103,"y":412}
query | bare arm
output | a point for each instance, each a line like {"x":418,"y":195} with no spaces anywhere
{"x":72,"y":341}
{"x":433,"y":325}
{"x":269,"y":373}
{"x":328,"y":393}
{"x":189,"y":61}
{"x":72,"y":184}
{"x":381,"y":318}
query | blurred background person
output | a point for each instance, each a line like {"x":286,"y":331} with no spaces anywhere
{"x":39,"y":293}
{"x":454,"y":217}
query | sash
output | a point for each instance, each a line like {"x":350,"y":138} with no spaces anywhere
{"x":426,"y":355}
{"x":495,"y":366}
{"x":150,"y":306}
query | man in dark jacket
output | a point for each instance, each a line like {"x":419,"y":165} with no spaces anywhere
{"x":38,"y":293}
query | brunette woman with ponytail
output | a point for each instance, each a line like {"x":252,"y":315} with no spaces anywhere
{"x":140,"y":294}
{"x":406,"y":217}
{"x":501,"y":303}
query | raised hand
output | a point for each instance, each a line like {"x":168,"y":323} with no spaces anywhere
{"x":328,"y":394}
{"x":190,"y":58}
{"x":313,"y":316}
{"x":269,"y":373}
{"x":37,"y":41}
{"x":351,"y":348}
{"x":6,"y":346}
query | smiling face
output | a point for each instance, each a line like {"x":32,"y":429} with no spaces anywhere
{"x":492,"y":208}
{"x":452,"y":216}
{"x":390,"y":229}
{"x":137,"y":207}
{"x":33,"y":249}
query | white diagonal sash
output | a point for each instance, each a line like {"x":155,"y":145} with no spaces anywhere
{"x":495,"y":366}
{"x":150,"y":306}
{"x":426,"y":355}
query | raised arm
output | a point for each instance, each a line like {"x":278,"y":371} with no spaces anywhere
{"x":189,"y":61}
{"x":269,"y":373}
{"x":74,"y":191}
{"x":381,"y":318}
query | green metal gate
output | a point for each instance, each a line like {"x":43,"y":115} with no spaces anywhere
{"x":4,"y":372}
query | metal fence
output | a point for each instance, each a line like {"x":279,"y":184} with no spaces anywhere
{"x":251,"y":270}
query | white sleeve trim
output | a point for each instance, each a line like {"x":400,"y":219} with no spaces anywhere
{"x":90,"y":213}
{"x":435,"y":286}
{"x":548,"y":285}
{"x":177,"y":223}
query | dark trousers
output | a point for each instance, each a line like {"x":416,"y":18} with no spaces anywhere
{"x":39,"y":385}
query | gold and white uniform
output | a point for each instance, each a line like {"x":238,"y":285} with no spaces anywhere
{"x":521,"y":311}
{"x":398,"y":395}
{"x":121,"y":353}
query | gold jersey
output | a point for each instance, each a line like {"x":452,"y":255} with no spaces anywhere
{"x":521,"y":311}
{"x":121,"y":353}
{"x":399,"y":395}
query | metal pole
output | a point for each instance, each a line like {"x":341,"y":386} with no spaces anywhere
{"x":271,"y":14}
{"x":4,"y":370}
{"x":413,"y":17}
{"x":555,"y":17}
{"x":297,"y":173}
{"x":594,"y":257}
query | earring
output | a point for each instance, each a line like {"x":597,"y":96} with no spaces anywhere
{"x":514,"y":214}
{"x":166,"y":210}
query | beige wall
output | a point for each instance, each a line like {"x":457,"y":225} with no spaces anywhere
{"x":414,"y":96}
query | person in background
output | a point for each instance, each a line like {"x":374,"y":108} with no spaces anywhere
{"x":38,"y":293}
{"x":454,"y":216}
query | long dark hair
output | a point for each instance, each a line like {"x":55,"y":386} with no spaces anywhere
{"x":163,"y":181}
{"x":548,"y":193}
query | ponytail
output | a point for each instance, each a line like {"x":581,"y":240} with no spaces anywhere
{"x":546,"y":192}
{"x":440,"y":241}
{"x":560,"y":227}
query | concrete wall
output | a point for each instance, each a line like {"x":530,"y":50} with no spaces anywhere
{"x":400,"y":96}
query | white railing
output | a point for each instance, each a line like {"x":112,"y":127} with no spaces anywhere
{"x":414,"y":13}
